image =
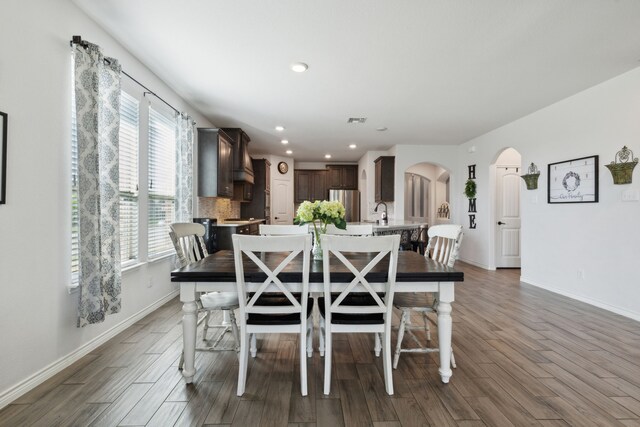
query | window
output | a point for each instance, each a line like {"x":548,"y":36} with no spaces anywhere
{"x":416,"y":197}
{"x":162,"y":185}
{"x":129,"y":131}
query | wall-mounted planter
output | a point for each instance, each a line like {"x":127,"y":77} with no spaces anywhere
{"x":531,"y":178}
{"x":470,"y":189}
{"x":622,"y":166}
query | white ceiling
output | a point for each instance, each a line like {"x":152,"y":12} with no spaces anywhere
{"x":432,"y":72}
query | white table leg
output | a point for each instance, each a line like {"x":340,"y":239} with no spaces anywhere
{"x":445,"y":298}
{"x":189,"y":324}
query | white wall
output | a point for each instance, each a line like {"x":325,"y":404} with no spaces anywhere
{"x":599,"y":239}
{"x":37,"y":314}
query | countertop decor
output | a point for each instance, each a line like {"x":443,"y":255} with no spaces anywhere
{"x":622,"y":166}
{"x":320,"y":214}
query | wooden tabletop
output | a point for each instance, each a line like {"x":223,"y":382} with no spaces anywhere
{"x":412,"y":267}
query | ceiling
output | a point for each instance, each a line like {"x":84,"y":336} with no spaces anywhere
{"x":431,"y":72}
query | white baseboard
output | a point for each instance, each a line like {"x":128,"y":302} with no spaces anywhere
{"x":477,"y":264}
{"x":14,"y":392}
{"x":612,"y":308}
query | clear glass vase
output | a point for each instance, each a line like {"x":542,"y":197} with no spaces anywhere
{"x":316,"y":251}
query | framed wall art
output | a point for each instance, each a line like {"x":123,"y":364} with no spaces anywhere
{"x":573,"y":181}
{"x":3,"y":157}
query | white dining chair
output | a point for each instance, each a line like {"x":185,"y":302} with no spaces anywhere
{"x":359,"y":230}
{"x":351,"y":230}
{"x":259,"y":313}
{"x":283,"y":229}
{"x":443,"y":246}
{"x":357,"y":308}
{"x":189,"y":245}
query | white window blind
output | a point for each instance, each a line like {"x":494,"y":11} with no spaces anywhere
{"x":129,"y":136}
{"x":162,"y":178}
{"x":75,"y":242}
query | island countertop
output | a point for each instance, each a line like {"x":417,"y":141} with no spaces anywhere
{"x":239,"y":222}
{"x":392,"y":224}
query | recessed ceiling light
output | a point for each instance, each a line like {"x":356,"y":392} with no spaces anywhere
{"x":382,"y":129}
{"x":327,"y":156}
{"x":299,"y":67}
{"x":289,"y":152}
{"x":285,"y":141}
{"x":352,"y":146}
{"x":279,"y":128}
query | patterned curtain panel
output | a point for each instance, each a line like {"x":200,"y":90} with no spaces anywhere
{"x":184,"y":168}
{"x":97,"y":94}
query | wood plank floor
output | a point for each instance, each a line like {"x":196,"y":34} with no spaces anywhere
{"x":525,"y":357}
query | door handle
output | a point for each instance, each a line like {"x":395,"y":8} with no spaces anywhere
{"x":275,"y":217}
{"x":502,"y":223}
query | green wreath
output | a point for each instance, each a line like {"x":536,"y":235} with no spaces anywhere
{"x":470,"y":189}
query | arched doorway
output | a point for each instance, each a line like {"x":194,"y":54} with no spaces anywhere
{"x":426,"y":193}
{"x":506,"y":210}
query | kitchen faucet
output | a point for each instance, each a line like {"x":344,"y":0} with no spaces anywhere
{"x":383,"y":215}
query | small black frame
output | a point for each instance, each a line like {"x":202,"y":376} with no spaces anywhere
{"x":4,"y":119}
{"x":573,"y":181}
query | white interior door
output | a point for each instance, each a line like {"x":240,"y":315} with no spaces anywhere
{"x":282,"y":201}
{"x":507,"y":216}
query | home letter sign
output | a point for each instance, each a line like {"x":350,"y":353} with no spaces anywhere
{"x":472,"y":202}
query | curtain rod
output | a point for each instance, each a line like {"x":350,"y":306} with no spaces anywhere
{"x":84,"y":43}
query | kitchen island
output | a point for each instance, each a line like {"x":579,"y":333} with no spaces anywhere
{"x":392,"y":224}
{"x":413,"y":234}
{"x":231,"y":226}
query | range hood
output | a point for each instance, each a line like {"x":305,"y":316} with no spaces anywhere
{"x":242,"y":166}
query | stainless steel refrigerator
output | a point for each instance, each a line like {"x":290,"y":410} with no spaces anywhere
{"x":351,"y":201}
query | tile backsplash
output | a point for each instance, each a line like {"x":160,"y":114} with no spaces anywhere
{"x":216,"y":207}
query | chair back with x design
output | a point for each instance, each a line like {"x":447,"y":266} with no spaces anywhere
{"x":249,"y":246}
{"x":382,"y":246}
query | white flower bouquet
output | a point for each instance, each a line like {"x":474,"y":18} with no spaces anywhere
{"x":320,"y":214}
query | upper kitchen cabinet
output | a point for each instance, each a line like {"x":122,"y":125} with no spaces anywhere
{"x":260,"y":204}
{"x":309,"y":185}
{"x":343,"y":176}
{"x":215,"y":167}
{"x":384,"y":178}
{"x":242,"y":167}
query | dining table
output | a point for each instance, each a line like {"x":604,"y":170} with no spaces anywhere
{"x":415,"y":273}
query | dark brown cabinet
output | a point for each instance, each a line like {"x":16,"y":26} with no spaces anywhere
{"x":310,"y":185}
{"x":342,"y":177}
{"x":224,"y":233}
{"x":242,"y":166}
{"x":260,"y":205}
{"x":242,"y":192}
{"x":215,"y":167}
{"x":384,"y":178}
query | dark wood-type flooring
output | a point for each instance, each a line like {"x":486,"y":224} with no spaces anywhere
{"x":525,"y":357}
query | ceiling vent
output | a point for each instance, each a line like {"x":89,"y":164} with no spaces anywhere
{"x":357,"y":120}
